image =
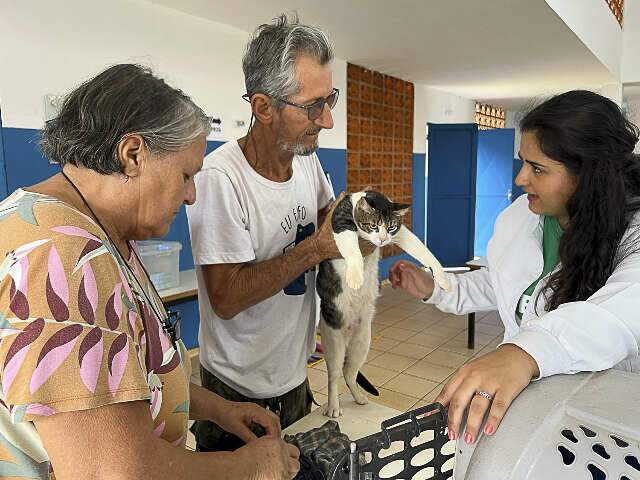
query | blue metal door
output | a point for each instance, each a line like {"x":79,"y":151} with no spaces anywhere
{"x":494,"y":182}
{"x":451,"y":192}
{"x":516,"y":191}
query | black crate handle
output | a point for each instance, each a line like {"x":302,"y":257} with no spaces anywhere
{"x":402,"y":428}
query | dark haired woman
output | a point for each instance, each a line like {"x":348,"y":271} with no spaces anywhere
{"x":563,"y":262}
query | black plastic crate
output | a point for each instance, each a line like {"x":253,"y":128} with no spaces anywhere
{"x":417,"y":433}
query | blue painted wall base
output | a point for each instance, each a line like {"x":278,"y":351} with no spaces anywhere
{"x":3,"y":172}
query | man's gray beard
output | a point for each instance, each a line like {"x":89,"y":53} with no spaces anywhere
{"x":298,"y":148}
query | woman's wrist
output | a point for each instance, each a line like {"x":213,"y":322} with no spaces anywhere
{"x":206,"y":405}
{"x":429,"y":287}
{"x":218,"y":408}
{"x":427,"y":297}
{"x":528,"y":360}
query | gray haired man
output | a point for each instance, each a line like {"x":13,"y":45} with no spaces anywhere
{"x":255,"y":230}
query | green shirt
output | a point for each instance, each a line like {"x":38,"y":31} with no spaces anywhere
{"x":551,"y":235}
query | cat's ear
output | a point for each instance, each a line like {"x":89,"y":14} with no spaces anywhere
{"x":401,"y":208}
{"x":365,"y":205}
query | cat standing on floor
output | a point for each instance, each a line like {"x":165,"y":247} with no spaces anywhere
{"x":348,"y":287}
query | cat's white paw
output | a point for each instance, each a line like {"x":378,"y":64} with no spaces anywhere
{"x":332,"y":410}
{"x":355,"y":277}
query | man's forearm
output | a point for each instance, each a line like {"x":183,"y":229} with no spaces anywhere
{"x":253,"y":283}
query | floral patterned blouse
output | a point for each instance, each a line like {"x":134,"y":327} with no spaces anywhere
{"x":76,"y":331}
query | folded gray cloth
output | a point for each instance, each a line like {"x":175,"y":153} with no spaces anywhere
{"x":322,"y":445}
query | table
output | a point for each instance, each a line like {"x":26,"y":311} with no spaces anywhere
{"x":187,"y":288}
{"x":475,"y":264}
{"x":357,"y":421}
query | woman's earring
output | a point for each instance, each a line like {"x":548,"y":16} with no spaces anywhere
{"x":126,"y":178}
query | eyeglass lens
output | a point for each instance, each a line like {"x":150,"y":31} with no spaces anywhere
{"x":317,"y":108}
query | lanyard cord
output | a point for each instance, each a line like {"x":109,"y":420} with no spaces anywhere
{"x":166,"y":326}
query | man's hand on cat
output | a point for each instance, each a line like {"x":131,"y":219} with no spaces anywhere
{"x":414,"y":280}
{"x":323,"y":238}
{"x":500,"y":375}
{"x":325,"y":243}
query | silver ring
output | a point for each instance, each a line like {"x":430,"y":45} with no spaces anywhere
{"x":484,"y":394}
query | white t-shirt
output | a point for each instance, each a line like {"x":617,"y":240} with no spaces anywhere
{"x":239,"y":217}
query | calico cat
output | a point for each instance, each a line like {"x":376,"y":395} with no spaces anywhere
{"x":348,"y":287}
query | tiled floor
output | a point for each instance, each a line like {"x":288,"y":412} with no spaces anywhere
{"x":415,"y":348}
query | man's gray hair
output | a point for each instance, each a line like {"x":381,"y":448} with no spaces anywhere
{"x":123,"y":100}
{"x":269,"y":63}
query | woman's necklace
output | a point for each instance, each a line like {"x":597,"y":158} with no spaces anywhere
{"x":172,"y":328}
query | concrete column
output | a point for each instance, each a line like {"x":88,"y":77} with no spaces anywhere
{"x":613,"y":91}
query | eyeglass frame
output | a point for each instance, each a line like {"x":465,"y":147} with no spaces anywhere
{"x":321,"y":101}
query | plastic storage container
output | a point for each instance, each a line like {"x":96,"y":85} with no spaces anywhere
{"x":162,"y":261}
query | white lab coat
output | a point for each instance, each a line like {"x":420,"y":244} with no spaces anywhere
{"x":596,"y":334}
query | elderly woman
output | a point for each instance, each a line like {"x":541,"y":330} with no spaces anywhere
{"x":564,"y":262}
{"x":95,"y":383}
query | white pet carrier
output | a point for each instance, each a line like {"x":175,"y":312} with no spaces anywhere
{"x":567,"y":427}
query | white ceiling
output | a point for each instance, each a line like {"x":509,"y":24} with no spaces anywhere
{"x":503,"y":51}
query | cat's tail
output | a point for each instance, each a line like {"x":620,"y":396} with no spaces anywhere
{"x":367,"y":385}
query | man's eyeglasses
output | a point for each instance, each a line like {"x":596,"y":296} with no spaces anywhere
{"x":314,"y":110}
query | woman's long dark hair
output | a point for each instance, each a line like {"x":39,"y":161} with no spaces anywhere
{"x":590,"y":135}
